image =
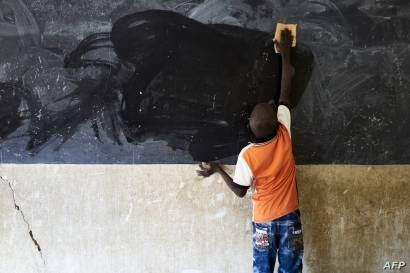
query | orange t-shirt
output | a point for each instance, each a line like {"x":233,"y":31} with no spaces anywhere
{"x":270,"y":168}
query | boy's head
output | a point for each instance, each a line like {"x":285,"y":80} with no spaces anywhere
{"x":263,"y":121}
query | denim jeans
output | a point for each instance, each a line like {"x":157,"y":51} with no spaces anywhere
{"x":282,"y":236}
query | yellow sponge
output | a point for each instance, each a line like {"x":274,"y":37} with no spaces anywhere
{"x":280,"y":27}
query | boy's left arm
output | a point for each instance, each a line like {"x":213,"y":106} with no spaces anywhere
{"x":212,"y":167}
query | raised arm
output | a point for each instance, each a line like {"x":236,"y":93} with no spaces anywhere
{"x":284,"y":48}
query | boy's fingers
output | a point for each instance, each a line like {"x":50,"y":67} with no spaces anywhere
{"x":288,"y":35}
{"x":276,"y":47}
{"x":200,"y":173}
{"x":206,"y":169}
{"x":283,"y":34}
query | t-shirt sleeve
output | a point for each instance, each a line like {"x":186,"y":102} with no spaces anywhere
{"x":284,"y":116}
{"x":243,"y":175}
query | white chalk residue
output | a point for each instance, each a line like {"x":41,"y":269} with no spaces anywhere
{"x":220,"y":196}
{"x":129,"y":212}
{"x":211,"y":11}
{"x":3,"y":71}
{"x":191,"y":271}
{"x":25,"y":23}
{"x":80,"y":29}
{"x":138,"y":23}
{"x":221,"y":213}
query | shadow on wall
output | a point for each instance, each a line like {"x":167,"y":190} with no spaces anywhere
{"x":316,"y":221}
{"x":351,"y":223}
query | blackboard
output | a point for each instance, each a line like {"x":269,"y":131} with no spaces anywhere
{"x":174,"y":81}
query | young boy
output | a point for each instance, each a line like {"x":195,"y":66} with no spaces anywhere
{"x":267,"y":163}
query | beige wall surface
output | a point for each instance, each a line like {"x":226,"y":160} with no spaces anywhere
{"x":163,"y":218}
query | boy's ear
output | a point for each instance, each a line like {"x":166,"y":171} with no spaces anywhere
{"x":272,"y":102}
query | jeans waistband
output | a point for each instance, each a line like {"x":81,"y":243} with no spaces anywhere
{"x":290,"y":216}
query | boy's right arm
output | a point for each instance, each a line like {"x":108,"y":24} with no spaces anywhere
{"x":284,"y":48}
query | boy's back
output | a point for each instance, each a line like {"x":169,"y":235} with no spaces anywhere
{"x":270,"y":168}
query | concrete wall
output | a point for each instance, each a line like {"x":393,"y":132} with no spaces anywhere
{"x":163,"y":218}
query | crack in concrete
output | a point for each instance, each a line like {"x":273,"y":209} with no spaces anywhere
{"x":17,"y":207}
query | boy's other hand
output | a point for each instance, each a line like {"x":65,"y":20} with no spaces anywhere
{"x":207,"y":169}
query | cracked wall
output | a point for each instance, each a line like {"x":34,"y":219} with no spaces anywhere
{"x":20,"y":251}
{"x":163,"y":218}
{"x":17,"y":207}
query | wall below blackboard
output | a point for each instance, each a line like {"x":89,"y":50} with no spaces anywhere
{"x":164,"y":218}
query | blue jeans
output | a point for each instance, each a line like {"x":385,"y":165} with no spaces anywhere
{"x":282,"y":236}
